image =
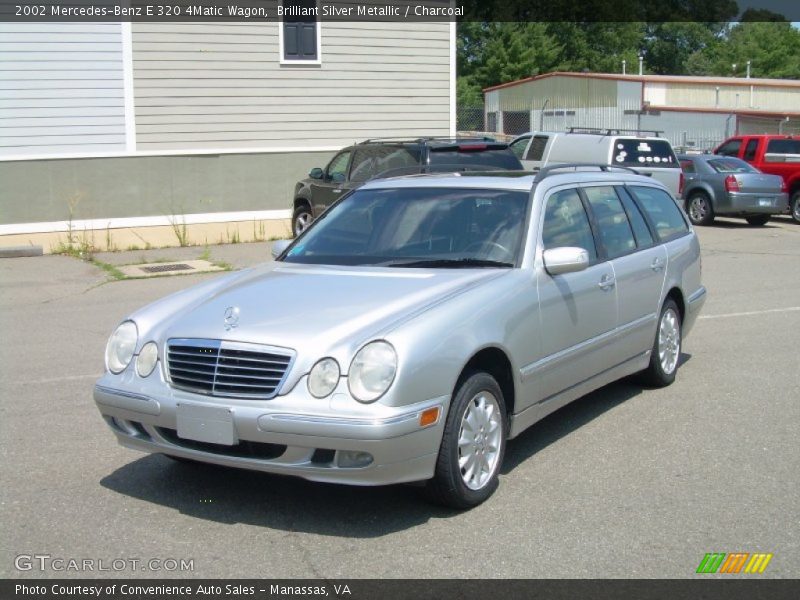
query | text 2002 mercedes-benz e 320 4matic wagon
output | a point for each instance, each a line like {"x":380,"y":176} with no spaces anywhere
{"x":412,"y":329}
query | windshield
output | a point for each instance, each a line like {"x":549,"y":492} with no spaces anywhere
{"x":730,"y":165}
{"x":425,"y":227}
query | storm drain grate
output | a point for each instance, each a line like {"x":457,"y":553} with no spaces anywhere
{"x":166,"y":268}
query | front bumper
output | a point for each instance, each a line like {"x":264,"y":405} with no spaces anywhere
{"x":762,"y":204}
{"x":294,"y":434}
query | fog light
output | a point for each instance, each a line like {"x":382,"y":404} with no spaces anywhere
{"x":351,"y":459}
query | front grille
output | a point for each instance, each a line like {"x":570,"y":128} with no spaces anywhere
{"x":228,"y":369}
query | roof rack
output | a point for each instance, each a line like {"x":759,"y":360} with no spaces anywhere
{"x":546,"y":171}
{"x":601,"y":131}
{"x":420,"y":140}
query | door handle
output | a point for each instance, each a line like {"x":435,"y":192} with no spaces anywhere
{"x":606,"y":283}
{"x":657,"y":265}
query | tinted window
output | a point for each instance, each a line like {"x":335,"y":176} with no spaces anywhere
{"x":518,"y":146}
{"x":498,"y":158}
{"x":730,"y":165}
{"x":750,"y":149}
{"x":615,"y":230}
{"x":337,"y":169}
{"x":365,"y":164}
{"x":644,"y":153}
{"x":536,"y":151}
{"x":566,"y":223}
{"x":783,"y":147}
{"x":384,"y":226}
{"x":730,"y":148}
{"x":688,"y":166}
{"x":664,"y":214}
{"x":643,"y":236}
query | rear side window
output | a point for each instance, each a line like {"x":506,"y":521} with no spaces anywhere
{"x":373,"y":161}
{"x":730,"y":165}
{"x":662,"y":211}
{"x":644,"y":238}
{"x":499,"y":158}
{"x":783,"y":147}
{"x":644,"y":153}
{"x":566,"y":223}
{"x":536,"y":151}
{"x":730,"y":148}
{"x":615,"y":230}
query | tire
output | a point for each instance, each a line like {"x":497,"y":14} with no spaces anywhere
{"x":794,"y":206}
{"x":699,"y":209}
{"x":757,"y":220}
{"x":478,"y":404}
{"x":301,"y":219}
{"x":666,"y":352}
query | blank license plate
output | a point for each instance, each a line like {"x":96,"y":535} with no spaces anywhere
{"x":766,"y":202}
{"x":211,"y":424}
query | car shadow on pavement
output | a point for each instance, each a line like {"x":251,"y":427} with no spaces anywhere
{"x":233,"y":496}
{"x":571,"y":417}
{"x":225,"y":495}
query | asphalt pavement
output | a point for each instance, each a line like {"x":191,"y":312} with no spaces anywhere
{"x":626,"y":482}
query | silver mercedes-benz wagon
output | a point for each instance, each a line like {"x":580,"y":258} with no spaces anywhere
{"x":413,"y":329}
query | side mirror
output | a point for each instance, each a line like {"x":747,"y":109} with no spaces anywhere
{"x":278,"y":247}
{"x":567,"y":259}
{"x":316,"y":173}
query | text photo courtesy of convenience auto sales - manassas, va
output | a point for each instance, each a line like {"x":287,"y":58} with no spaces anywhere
{"x":393,"y":299}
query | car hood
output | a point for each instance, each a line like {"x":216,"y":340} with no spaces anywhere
{"x":309,"y":307}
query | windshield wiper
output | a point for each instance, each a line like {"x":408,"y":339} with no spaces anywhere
{"x":451,"y":263}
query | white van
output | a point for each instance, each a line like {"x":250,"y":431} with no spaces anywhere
{"x":649,"y":155}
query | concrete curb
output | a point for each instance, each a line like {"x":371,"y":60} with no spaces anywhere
{"x":20,"y":251}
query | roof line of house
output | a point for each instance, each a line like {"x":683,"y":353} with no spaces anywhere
{"x":729,"y":81}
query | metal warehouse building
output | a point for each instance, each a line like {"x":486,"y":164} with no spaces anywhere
{"x":692,"y":112}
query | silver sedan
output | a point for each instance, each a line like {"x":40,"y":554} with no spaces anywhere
{"x":729,"y":187}
{"x":413,"y":329}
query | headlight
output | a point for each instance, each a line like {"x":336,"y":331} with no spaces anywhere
{"x":120,"y":347}
{"x":323,"y":378}
{"x":372,"y":371}
{"x":146,"y":361}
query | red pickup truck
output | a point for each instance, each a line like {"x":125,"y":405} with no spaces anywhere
{"x":772,"y":154}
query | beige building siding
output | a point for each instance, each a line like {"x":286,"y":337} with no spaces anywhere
{"x":205,"y":86}
{"x":563,"y":92}
{"x":729,"y":96}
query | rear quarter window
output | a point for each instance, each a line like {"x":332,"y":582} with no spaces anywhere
{"x":783,"y":147}
{"x":662,"y":212}
{"x":644,"y":153}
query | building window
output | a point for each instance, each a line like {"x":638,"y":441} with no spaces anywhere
{"x":300,"y":32}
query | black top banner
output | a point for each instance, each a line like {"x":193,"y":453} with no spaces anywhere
{"x":398,"y":10}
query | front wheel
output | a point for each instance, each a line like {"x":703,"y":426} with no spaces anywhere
{"x":794,"y":206}
{"x":666,"y":351}
{"x":473,"y":445}
{"x":757,"y":220}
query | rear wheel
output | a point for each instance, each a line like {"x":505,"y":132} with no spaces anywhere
{"x":794,"y":205}
{"x":473,"y":445}
{"x":699,"y":209}
{"x":666,"y":351}
{"x":301,"y":219}
{"x":758,"y":220}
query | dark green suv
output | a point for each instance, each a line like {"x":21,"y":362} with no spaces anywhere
{"x":355,"y":165}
